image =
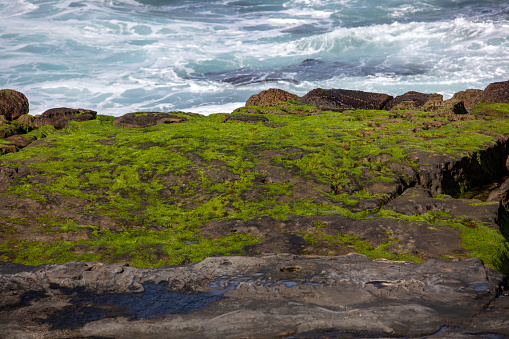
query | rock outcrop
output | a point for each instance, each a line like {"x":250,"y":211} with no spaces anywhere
{"x":263,"y":297}
{"x":446,"y":173}
{"x":409,"y":100}
{"x":26,"y":121}
{"x":427,"y":102}
{"x":147,"y":119}
{"x":270,"y":96}
{"x":496,"y":93}
{"x":319,"y":184}
{"x":60,"y":117}
{"x":13,"y":104}
{"x":342,"y":99}
{"x":469,"y":97}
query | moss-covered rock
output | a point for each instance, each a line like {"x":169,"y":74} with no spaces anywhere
{"x":60,"y":117}
{"x":409,"y":100}
{"x":270,"y":96}
{"x":293,"y":179}
{"x":13,"y":104}
{"x":496,"y":93}
{"x":147,"y":119}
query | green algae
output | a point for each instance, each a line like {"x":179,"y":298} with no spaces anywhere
{"x":157,"y":186}
{"x":139,"y":248}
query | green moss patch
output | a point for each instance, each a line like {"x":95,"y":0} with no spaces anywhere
{"x":138,"y":195}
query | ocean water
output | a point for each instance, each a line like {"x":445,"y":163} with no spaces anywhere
{"x":205,"y":56}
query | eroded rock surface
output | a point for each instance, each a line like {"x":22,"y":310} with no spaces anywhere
{"x":258,"y":297}
{"x":12,"y":104}
{"x":469,"y":97}
{"x":147,"y":119}
{"x":409,"y":100}
{"x":60,"y":117}
{"x":497,"y":92}
{"x":271,"y":96}
{"x":342,"y":99}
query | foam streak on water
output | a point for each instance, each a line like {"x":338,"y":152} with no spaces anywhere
{"x":119,"y":56}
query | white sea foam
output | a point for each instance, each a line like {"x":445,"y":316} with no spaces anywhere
{"x":211,"y":109}
{"x":17,"y":7}
{"x":117,"y":56}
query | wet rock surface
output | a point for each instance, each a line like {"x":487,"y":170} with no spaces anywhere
{"x":259,"y":297}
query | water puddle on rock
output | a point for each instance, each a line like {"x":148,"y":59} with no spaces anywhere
{"x":481,"y":192}
{"x":155,"y":301}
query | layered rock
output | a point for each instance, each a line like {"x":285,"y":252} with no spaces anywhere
{"x":13,"y":104}
{"x":447,"y":174}
{"x":496,"y":93}
{"x":342,"y":99}
{"x":264,"y":296}
{"x":60,"y":117}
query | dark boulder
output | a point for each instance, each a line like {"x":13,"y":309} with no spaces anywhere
{"x":343,"y":99}
{"x":12,"y":104}
{"x":409,"y":100}
{"x":60,"y":117}
{"x":496,"y":93}
{"x":271,"y":96}
{"x":147,"y":119}
{"x":459,"y":108}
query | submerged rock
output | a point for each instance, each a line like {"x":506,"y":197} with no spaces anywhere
{"x":60,"y":117}
{"x":343,"y":99}
{"x":147,"y":119}
{"x":264,"y":296}
{"x":12,"y":104}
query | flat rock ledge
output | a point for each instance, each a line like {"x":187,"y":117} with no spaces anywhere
{"x":257,"y":297}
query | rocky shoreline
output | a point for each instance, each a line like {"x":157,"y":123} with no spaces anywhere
{"x":269,"y":296}
{"x":342,"y":204}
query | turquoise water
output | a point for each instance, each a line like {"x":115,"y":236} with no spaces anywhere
{"x":210,"y":56}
